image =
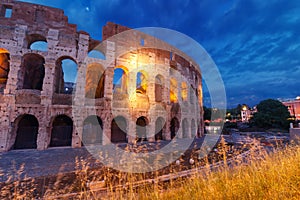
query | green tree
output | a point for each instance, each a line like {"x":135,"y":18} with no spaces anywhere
{"x":271,"y":114}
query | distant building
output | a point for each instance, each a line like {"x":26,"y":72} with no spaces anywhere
{"x":247,"y":113}
{"x":293,"y":107}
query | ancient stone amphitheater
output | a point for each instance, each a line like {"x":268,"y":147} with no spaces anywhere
{"x":139,"y":88}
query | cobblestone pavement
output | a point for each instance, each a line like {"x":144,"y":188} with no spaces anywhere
{"x":43,"y":163}
{"x":40,"y":163}
{"x":53,"y":161}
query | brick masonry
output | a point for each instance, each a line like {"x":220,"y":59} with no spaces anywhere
{"x":36,"y":90}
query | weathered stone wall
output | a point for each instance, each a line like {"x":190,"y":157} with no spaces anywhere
{"x":29,"y":23}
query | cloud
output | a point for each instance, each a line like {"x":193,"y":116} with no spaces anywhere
{"x":254,"y":43}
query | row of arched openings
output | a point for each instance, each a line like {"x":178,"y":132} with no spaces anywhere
{"x":62,"y":129}
{"x":32,"y":73}
{"x":120,"y":85}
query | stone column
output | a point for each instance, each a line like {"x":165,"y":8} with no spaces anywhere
{"x":108,"y":82}
{"x":48,"y":84}
{"x":12,"y":81}
{"x":80,"y":86}
{"x":132,"y":104}
{"x":6,"y":128}
{"x":151,"y":87}
{"x":83,"y":46}
{"x":151,"y":131}
{"x":76,"y":140}
{"x":167,"y":89}
{"x":42,"y":138}
{"x":106,"y":137}
{"x":166,"y":130}
{"x":131,"y":130}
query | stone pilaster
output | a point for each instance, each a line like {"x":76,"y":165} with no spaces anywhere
{"x":131,"y":131}
{"x":108,"y":82}
{"x":15,"y":67}
{"x":106,"y":138}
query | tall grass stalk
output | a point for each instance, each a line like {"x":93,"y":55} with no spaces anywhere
{"x":276,"y":176}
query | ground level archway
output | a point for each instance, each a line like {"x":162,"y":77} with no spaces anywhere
{"x":62,"y":129}
{"x":174,"y":127}
{"x":27,"y":132}
{"x":159,"y":126}
{"x":118,"y":130}
{"x":141,"y":129}
{"x":92,"y":132}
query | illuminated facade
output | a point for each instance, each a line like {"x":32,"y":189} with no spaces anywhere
{"x":247,"y":113}
{"x":139,"y":94}
{"x":293,"y":107}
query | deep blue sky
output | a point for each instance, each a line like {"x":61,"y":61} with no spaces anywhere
{"x":254,"y":43}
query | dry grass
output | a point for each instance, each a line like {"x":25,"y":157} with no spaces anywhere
{"x":277,"y":176}
{"x":264,"y":176}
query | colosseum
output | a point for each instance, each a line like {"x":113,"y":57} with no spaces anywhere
{"x":139,"y":88}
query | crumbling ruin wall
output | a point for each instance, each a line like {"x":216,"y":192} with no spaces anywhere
{"x":31,"y":83}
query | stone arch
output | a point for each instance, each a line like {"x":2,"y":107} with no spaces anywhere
{"x":33,"y":38}
{"x":27,"y":132}
{"x":173,"y":90}
{"x":184,"y":91}
{"x":185,"y":128}
{"x":174,"y":127}
{"x":193,"y":128}
{"x":192,"y":94}
{"x":141,"y":128}
{"x":120,"y":81}
{"x":175,"y":110}
{"x":159,"y":88}
{"x":95,"y":79}
{"x":65,"y":82}
{"x":92,"y":132}
{"x":32,"y":71}
{"x":61,"y":132}
{"x":141,"y":82}
{"x":159,"y":128}
{"x":4,"y":68}
{"x":119,"y":130}
{"x":95,"y":53}
{"x":39,"y":46}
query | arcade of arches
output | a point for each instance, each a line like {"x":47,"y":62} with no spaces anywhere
{"x":27,"y":129}
{"x":143,"y":94}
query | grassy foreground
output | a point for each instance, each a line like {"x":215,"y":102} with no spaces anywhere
{"x":265,"y":176}
{"x":277,"y":176}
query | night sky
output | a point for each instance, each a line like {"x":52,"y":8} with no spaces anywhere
{"x":254,"y":43}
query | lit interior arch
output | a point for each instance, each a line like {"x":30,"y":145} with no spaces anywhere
{"x":141,"y":82}
{"x":173,"y":90}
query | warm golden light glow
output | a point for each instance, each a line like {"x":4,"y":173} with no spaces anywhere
{"x":3,"y":50}
{"x":141,"y":82}
{"x":173,"y":91}
{"x":184,"y":91}
{"x":94,"y":87}
{"x":4,"y":67}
